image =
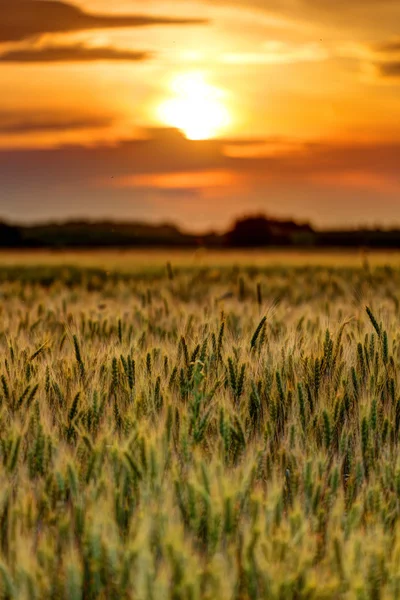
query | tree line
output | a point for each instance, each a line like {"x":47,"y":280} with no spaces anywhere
{"x":254,"y":231}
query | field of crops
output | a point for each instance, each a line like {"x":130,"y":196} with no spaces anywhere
{"x":220,"y":429}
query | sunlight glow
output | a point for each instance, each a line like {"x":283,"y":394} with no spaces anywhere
{"x":196,"y":107}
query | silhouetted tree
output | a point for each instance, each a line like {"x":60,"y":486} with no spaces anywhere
{"x":10,"y":236}
{"x":250,"y":232}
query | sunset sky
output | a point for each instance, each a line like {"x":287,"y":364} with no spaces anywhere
{"x":197,"y":111}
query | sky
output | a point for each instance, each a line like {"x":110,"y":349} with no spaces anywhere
{"x":199,"y":111}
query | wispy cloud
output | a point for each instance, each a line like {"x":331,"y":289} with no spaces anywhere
{"x":17,"y":123}
{"x":278,"y":52}
{"x":213,"y":178}
{"x":389,"y":69}
{"x":392,"y":46}
{"x":378,"y":61}
{"x":71,"y":53}
{"x":22,"y":19}
{"x":386,"y":58}
{"x":349,"y":15}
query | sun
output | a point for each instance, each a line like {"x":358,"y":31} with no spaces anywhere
{"x":196,"y":107}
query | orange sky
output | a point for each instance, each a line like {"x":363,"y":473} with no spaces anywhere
{"x":301,"y":100}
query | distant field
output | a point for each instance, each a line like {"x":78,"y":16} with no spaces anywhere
{"x":137,"y":259}
{"x":224,"y":426}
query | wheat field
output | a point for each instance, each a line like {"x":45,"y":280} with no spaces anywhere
{"x":192,"y":427}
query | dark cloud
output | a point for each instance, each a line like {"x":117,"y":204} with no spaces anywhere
{"x":166,"y":151}
{"x":163,"y":151}
{"x":386,"y":58}
{"x":71,"y":53}
{"x":12,"y":123}
{"x":327,"y":182}
{"x":388,"y":47}
{"x":389,"y":69}
{"x":22,"y":19}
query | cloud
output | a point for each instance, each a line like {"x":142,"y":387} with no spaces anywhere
{"x":378,"y":61}
{"x":164,"y":151}
{"x":384,"y":58}
{"x":165,"y":175}
{"x":23,"y":19}
{"x":389,"y":69}
{"x":388,"y":47}
{"x":71,"y":53}
{"x":12,"y":123}
{"x":278,"y":52}
{"x":186,"y":180}
{"x":350,"y":15}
